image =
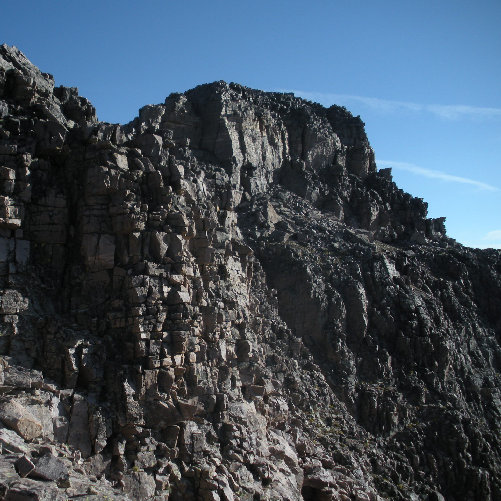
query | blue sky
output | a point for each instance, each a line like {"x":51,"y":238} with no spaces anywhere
{"x":424,"y":76}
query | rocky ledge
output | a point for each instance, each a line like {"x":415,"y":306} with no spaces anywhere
{"x":225,"y":300}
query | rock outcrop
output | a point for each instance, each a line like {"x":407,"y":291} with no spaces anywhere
{"x":225,"y":300}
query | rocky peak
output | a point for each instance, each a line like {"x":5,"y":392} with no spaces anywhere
{"x":268,"y":141}
{"x":25,"y":85}
{"x":225,"y":300}
{"x":242,"y":126}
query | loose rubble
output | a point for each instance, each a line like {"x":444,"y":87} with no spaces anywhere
{"x":225,"y":300}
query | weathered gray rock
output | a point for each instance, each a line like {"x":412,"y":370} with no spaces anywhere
{"x":12,"y":302}
{"x":31,"y":490}
{"x":78,"y":432}
{"x":49,"y":467}
{"x":225,"y":299}
{"x":139,"y":485}
{"x":20,"y":419}
{"x":24,"y":466}
{"x":11,"y":442}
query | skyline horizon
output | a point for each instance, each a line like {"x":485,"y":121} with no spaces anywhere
{"x":426,"y":86}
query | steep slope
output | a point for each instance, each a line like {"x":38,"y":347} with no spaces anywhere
{"x":224,"y":299}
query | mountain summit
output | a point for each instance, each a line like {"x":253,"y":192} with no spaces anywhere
{"x":225,"y":299}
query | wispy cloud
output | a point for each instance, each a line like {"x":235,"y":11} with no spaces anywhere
{"x":494,"y":239}
{"x":461,"y":110}
{"x":478,"y":245}
{"x":435,"y":174}
{"x":494,"y":235}
{"x":447,"y":111}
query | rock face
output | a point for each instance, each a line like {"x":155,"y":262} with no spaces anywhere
{"x":225,"y":300}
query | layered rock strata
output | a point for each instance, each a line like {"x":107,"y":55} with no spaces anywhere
{"x":225,"y":300}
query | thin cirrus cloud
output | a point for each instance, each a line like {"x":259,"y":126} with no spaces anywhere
{"x":436,"y":174}
{"x":493,"y":236}
{"x":451,"y":112}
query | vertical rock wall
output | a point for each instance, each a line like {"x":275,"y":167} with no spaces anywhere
{"x":224,"y":299}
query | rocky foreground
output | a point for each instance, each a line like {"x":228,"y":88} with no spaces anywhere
{"x":225,"y":300}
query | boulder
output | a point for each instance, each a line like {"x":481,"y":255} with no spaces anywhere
{"x":49,"y":467}
{"x":20,"y":419}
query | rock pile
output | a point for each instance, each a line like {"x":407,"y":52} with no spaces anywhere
{"x":225,"y":300}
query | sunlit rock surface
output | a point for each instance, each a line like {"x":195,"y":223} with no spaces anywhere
{"x":225,"y":300}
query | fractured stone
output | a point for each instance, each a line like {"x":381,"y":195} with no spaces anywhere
{"x":20,"y":419}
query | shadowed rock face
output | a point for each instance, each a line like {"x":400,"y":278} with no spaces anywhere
{"x":224,"y":299}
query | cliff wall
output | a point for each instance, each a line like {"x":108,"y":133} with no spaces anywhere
{"x":225,"y":299}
